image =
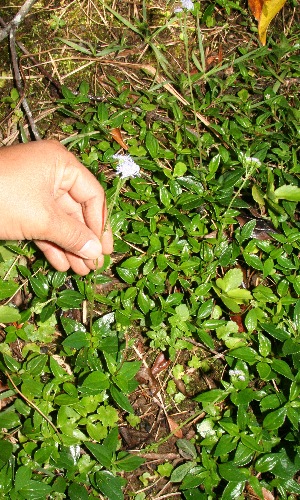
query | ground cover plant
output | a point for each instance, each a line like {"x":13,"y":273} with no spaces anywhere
{"x":172,"y":372}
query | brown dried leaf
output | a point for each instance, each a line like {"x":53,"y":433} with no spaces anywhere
{"x":160,"y":364}
{"x":256,"y":7}
{"x":174,"y":428}
{"x":145,"y":376}
{"x":117,"y":136}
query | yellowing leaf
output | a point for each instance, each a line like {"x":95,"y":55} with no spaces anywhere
{"x":269,"y":10}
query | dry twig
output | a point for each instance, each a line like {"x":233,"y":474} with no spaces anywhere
{"x":17,"y":19}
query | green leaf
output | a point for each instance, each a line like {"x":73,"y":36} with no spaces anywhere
{"x":253,"y":261}
{"x":7,"y":288}
{"x":144,"y":302}
{"x":94,"y":383}
{"x":121,"y":399}
{"x":181,"y":471}
{"x":213,"y":396}
{"x":22,"y":477}
{"x":231,"y":472}
{"x":76,"y":340}
{"x":102,"y":453}
{"x":77,"y":492}
{"x":243,"y":455}
{"x":35,"y":490}
{"x":275,"y":419}
{"x":127,"y":275}
{"x":36,"y":365}
{"x":187,"y":447}
{"x":225,"y":445}
{"x":70,"y":299}
{"x":247,"y":230}
{"x":128,"y":462}
{"x":152,"y":144}
{"x":264,"y":370}
{"x":281,"y":367}
{"x":287,"y":192}
{"x":40,"y":285}
{"x":233,"y":490}
{"x":9,"y":314}
{"x":6,"y":449}
{"x":232,"y":279}
{"x":110,"y":485}
{"x":245,"y":353}
{"x":251,"y":443}
{"x":277,"y":333}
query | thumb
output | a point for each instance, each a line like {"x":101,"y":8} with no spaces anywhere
{"x":74,"y":236}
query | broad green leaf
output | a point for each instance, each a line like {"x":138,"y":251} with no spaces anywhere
{"x":40,"y":285}
{"x":287,"y":191}
{"x":76,"y":340}
{"x":152,"y":144}
{"x":245,"y":353}
{"x":264,"y":370}
{"x":35,"y":490}
{"x":280,"y":366}
{"x":6,"y":449}
{"x":128,"y":462}
{"x":7,"y":288}
{"x":251,"y":443}
{"x":70,"y":299}
{"x":253,"y":261}
{"x":94,"y":383}
{"x":213,"y":396}
{"x":225,"y":445}
{"x":243,"y":455}
{"x":110,"y":485}
{"x":101,"y":453}
{"x":233,"y":490}
{"x":181,"y":471}
{"x":231,"y":472}
{"x":275,"y":419}
{"x":187,"y":447}
{"x":121,"y":399}
{"x":9,"y":314}
{"x":22,"y":477}
{"x":277,"y":333}
{"x":77,"y":492}
{"x":232,"y":279}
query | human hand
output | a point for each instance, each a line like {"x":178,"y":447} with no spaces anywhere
{"x":48,"y":196}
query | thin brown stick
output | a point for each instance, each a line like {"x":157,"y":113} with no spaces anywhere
{"x":18,"y":79}
{"x":30,"y":403}
{"x":17,"y":19}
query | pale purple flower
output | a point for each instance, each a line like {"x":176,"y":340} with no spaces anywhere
{"x":126,"y":166}
{"x":185,"y":4}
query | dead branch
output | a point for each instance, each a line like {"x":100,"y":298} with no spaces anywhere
{"x":17,"y":19}
{"x":17,"y":74}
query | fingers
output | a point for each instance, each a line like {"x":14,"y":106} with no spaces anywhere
{"x":62,"y":261}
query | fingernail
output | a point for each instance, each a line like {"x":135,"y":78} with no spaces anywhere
{"x":91,"y":250}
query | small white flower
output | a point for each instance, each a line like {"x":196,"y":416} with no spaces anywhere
{"x":267,"y":96}
{"x":185,"y":4}
{"x":126,"y":166}
{"x":238,"y":374}
{"x":250,"y":160}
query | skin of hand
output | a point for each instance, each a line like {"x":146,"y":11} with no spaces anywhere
{"x":48,"y":196}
